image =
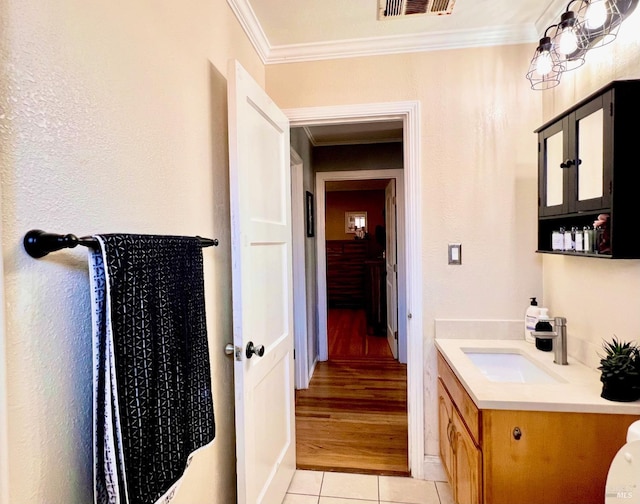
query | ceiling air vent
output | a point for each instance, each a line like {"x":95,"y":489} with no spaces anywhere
{"x":391,"y":9}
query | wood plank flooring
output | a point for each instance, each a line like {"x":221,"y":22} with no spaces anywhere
{"x":353,"y":416}
{"x":348,"y":337}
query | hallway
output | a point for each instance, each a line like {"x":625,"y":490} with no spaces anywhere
{"x":353,"y":416}
{"x":348,"y":337}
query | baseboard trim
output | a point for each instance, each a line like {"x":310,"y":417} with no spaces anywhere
{"x":433,"y":470}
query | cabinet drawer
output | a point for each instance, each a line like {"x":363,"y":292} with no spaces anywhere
{"x":465,"y":405}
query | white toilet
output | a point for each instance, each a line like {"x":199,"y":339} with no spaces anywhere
{"x":623,"y":479}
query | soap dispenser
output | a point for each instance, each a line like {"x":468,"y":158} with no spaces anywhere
{"x":544,"y":325}
{"x":530,"y":320}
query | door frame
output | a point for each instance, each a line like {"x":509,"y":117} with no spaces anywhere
{"x":321,"y":178}
{"x":301,"y":362}
{"x":4,"y":403}
{"x":409,"y":113}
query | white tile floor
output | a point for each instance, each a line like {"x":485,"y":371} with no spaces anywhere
{"x":316,"y":487}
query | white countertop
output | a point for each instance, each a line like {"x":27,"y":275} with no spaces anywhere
{"x":577,"y":390}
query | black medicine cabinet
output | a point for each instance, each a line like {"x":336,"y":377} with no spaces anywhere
{"x":589,"y":166}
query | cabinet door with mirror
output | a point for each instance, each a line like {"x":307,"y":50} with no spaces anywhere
{"x":554,"y":179}
{"x":575,"y":174}
{"x":590,"y":131}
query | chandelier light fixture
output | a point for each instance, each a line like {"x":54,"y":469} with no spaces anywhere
{"x":584,"y":25}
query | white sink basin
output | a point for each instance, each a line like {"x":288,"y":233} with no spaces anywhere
{"x":508,"y":365}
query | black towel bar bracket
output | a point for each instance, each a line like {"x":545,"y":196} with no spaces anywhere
{"x":39,"y":243}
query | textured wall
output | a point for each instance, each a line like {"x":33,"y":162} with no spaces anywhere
{"x":112,"y":119}
{"x":479,"y":173}
{"x":598,"y":297}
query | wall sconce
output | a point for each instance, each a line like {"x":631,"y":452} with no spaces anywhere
{"x":602,"y":19}
{"x":570,"y":41}
{"x":584,"y":25}
{"x":545,"y":69}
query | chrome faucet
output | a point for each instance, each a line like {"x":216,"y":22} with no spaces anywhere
{"x":559,"y":337}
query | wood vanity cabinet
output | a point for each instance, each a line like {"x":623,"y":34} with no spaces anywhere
{"x":459,"y":438}
{"x":523,"y":457}
{"x":588,"y":165}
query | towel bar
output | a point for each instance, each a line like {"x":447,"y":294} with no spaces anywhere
{"x":38,"y":243}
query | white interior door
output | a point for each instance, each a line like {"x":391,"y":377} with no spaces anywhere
{"x":391,"y":260}
{"x":261,"y":256}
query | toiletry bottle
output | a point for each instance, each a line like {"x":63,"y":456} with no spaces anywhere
{"x":544,"y":324}
{"x":569,"y":240}
{"x":587,"y":245}
{"x":530,"y":320}
{"x":579,"y":239}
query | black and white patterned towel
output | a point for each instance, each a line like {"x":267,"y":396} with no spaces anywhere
{"x":152,"y":386}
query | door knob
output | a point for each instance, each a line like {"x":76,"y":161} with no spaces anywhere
{"x":254,"y":349}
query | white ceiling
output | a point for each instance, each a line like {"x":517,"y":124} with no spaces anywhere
{"x":355,"y":133}
{"x":302,"y":30}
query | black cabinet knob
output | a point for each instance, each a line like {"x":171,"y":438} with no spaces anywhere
{"x":567,"y":164}
{"x":517,"y":433}
{"x":254,"y":349}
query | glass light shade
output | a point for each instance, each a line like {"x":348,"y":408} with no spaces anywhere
{"x":544,"y":70}
{"x":596,"y":14}
{"x":570,"y":42}
{"x":567,"y":41}
{"x":544,"y":63}
{"x":600,"y":19}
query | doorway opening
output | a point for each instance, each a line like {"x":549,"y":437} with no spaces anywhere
{"x":386,"y":274}
{"x":360,"y":242}
{"x":353,"y":416}
{"x":408,"y":258}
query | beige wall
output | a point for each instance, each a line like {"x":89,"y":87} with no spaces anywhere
{"x":599,"y":298}
{"x":479,"y":184}
{"x":112,"y":119}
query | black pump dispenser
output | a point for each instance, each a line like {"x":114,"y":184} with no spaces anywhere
{"x":544,"y":325}
{"x":533,"y":301}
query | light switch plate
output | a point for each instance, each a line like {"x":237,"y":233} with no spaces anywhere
{"x":455,"y":253}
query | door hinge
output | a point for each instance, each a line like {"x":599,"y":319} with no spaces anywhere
{"x":294,"y":354}
{"x":395,"y":335}
{"x":611,"y":109}
{"x":395,"y":268}
{"x":393,"y":200}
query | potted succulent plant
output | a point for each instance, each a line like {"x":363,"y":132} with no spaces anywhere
{"x":620,"y":368}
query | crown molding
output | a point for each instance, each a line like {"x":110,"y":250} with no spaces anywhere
{"x":375,"y":46}
{"x":251,"y":26}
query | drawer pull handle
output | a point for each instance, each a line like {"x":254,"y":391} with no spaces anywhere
{"x":517,"y":433}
